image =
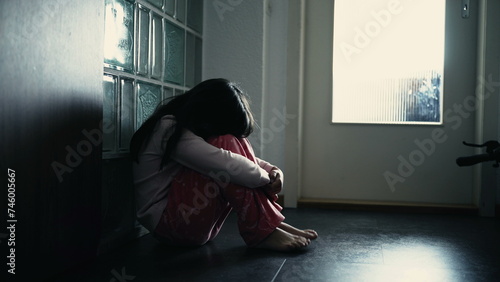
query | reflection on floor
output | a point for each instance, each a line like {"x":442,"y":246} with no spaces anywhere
{"x":353,"y":246}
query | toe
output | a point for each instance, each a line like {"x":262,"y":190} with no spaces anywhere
{"x":311,"y":234}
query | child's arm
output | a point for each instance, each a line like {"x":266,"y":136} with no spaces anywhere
{"x":265,"y":165}
{"x":195,"y":153}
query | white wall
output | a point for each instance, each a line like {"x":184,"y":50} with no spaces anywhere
{"x":275,"y":116}
{"x":245,"y":42}
{"x":494,"y":9}
{"x":233,"y":48}
{"x":487,"y":125}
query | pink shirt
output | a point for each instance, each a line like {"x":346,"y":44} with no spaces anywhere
{"x":152,"y":184}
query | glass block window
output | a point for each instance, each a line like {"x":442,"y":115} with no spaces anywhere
{"x":148,"y":97}
{"x":174,"y":53}
{"x":119,"y":43}
{"x":388,"y":61}
{"x":152,"y":51}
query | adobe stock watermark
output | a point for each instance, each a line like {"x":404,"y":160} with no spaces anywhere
{"x":91,"y":140}
{"x":276,"y":124}
{"x":121,"y":276}
{"x":364,"y":36}
{"x":428,"y":146}
{"x":211,"y":190}
{"x":74,"y":155}
{"x":223,"y":6}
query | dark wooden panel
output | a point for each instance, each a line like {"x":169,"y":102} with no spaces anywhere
{"x":51,"y":84}
{"x":118,"y":205}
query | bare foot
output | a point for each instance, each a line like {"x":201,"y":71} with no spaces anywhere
{"x":281,"y":240}
{"x":307,"y":233}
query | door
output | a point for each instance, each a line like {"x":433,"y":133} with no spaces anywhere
{"x":388,"y":162}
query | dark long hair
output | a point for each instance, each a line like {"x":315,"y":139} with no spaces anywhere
{"x":214,"y":107}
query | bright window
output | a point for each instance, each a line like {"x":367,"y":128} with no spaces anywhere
{"x":388,"y":61}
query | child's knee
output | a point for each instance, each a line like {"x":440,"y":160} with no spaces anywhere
{"x":223,"y":138}
{"x":227,"y":142}
{"x":240,"y":146}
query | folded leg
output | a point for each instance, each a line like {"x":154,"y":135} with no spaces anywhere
{"x":198,"y":205}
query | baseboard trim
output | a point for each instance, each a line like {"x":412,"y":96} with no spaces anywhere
{"x":387,"y":206}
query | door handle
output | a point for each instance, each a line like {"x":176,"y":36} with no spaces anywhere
{"x":465,"y":8}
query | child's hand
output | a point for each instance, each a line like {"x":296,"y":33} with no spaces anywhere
{"x":276,"y":183}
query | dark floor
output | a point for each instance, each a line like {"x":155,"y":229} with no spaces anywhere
{"x":352,"y":246}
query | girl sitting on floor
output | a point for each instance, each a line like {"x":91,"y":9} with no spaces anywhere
{"x":193,"y":164}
